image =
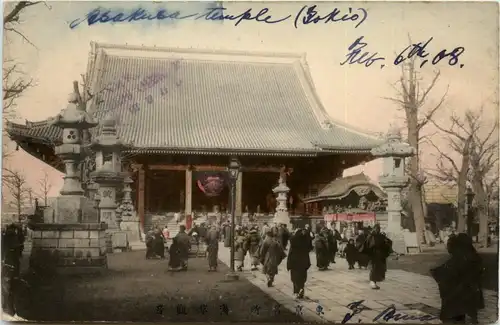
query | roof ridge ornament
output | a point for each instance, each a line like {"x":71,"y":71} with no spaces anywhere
{"x":326,"y":124}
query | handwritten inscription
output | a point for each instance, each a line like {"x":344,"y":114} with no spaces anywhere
{"x":419,"y":50}
{"x":359,"y":53}
{"x":390,"y":313}
{"x":309,"y":15}
{"x":305,"y":16}
{"x":262,"y":16}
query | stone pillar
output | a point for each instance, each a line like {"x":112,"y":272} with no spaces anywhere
{"x":108,"y":181}
{"x":393,"y":180}
{"x":239,"y":195}
{"x":189,"y":193}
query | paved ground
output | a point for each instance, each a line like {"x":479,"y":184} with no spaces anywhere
{"x":422,"y":263}
{"x":135,"y":289}
{"x":410,"y":293}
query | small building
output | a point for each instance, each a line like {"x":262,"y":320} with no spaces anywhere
{"x":184,"y":113}
{"x":353,"y":199}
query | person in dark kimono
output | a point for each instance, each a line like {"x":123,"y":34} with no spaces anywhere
{"x":321,"y":249}
{"x":11,"y":265}
{"x":184,"y":244}
{"x":378,"y":247}
{"x":265,"y":229}
{"x":202,"y":232}
{"x":150,"y":244}
{"x":362,"y":258}
{"x":158,"y":244}
{"x":283,"y":235}
{"x":174,"y":262}
{"x":351,"y":254}
{"x":212,"y":241}
{"x":271,"y":254}
{"x":253,"y":244}
{"x":332,"y":244}
{"x":240,"y":249}
{"x":298,"y":261}
{"x":227,"y":235}
{"x":459,"y":281}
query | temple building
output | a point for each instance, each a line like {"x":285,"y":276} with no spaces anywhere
{"x":181,"y":115}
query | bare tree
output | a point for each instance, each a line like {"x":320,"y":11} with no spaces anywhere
{"x":17,"y":186}
{"x":484,"y":162}
{"x":473,"y":157}
{"x":413,"y":99}
{"x":14,"y":80}
{"x":45,"y":187}
{"x":459,"y":134}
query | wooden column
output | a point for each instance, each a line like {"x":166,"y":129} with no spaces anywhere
{"x":140,"y":194}
{"x":239,"y":195}
{"x":188,"y":192}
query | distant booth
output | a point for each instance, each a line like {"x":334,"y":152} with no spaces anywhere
{"x":351,"y":202}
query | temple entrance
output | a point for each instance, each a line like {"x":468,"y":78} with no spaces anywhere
{"x":257,"y":192}
{"x":165,"y":191}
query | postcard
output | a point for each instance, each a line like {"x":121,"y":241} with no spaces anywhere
{"x":213,"y":161}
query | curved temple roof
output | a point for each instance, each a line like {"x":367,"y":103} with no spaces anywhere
{"x":168,"y":100}
{"x":342,"y":187}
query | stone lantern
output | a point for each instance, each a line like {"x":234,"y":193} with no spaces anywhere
{"x":73,"y":238}
{"x":73,"y":121}
{"x":108,"y":171}
{"x":281,"y":216}
{"x":393,"y":180}
{"x":129,"y":219}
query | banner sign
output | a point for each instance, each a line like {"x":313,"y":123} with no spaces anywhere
{"x":368,"y":216}
{"x":211,"y":183}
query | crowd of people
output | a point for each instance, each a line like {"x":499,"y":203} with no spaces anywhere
{"x":13,"y":237}
{"x":268,"y":246}
{"x":458,"y":279}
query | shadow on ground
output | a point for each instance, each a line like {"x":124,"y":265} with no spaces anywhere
{"x":135,"y":289}
{"x":422,"y":263}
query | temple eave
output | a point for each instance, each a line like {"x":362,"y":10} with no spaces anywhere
{"x":41,"y":151}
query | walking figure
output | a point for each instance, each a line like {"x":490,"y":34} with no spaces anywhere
{"x":224,"y":309}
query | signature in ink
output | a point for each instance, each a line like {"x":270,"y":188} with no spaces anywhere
{"x":390,"y":313}
{"x":355,"y":55}
{"x":311,"y":15}
{"x":419,"y":50}
{"x":357,"y":307}
{"x":262,"y":16}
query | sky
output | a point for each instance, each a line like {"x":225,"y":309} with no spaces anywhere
{"x":351,"y":93}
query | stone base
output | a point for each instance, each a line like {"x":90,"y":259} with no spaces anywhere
{"x":119,"y":240}
{"x":72,"y":209}
{"x":132,"y":228}
{"x":282,"y":217}
{"x":398,"y":241}
{"x":60,"y":246}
